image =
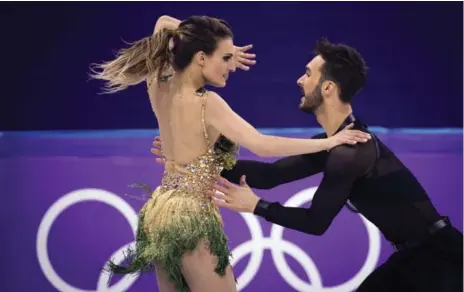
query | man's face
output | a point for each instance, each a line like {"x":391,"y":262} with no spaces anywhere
{"x":311,"y":86}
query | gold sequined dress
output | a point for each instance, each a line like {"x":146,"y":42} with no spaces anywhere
{"x":179,"y":214}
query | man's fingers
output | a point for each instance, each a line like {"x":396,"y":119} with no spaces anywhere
{"x":222,"y":204}
{"x":227,"y":184}
{"x":155,"y":151}
{"x":243,"y":180}
{"x":217,"y":195}
{"x":221,"y":188}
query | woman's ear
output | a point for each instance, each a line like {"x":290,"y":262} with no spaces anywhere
{"x":200,"y":58}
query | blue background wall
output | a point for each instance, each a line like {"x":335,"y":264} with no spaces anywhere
{"x":414,"y":51}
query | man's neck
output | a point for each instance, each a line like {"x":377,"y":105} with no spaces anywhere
{"x":331,"y":117}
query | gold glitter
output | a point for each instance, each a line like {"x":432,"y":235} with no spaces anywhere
{"x":179,"y":215}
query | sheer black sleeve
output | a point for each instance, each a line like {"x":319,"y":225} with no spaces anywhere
{"x":262,"y":175}
{"x":341,"y":170}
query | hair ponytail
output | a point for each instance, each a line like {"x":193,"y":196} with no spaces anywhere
{"x":134,"y":64}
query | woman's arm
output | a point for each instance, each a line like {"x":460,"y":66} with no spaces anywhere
{"x":166,"y":22}
{"x":221,"y":117}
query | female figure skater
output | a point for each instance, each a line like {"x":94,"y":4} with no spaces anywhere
{"x":180,"y":234}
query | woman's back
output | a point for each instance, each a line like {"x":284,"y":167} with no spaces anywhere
{"x":181,"y":118}
{"x":180,"y":232}
{"x":193,"y":159}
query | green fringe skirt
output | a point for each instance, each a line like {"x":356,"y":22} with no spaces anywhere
{"x":171,"y":224}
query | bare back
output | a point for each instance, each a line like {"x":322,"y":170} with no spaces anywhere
{"x":180,"y":117}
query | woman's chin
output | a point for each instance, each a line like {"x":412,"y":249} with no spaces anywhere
{"x":219,"y":84}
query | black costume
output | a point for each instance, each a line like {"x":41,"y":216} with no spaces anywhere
{"x":371,"y":180}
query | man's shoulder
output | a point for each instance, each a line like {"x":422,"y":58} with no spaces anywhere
{"x":358,"y":154}
{"x":345,"y":150}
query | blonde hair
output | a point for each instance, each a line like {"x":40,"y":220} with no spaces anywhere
{"x":145,"y":57}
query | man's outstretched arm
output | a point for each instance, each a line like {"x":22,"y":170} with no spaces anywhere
{"x":341,"y":171}
{"x":267,"y":175}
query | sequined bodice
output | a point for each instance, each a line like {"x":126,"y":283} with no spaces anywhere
{"x":198,"y":176}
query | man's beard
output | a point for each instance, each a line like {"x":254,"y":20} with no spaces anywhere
{"x":312,"y":101}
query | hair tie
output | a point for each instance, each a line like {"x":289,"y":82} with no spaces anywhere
{"x":174,"y":40}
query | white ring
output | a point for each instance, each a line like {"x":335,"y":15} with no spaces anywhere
{"x":245,"y":248}
{"x":373,"y":254}
{"x":55,"y":210}
{"x":256,"y":246}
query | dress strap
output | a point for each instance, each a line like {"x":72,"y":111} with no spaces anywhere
{"x":203,"y":107}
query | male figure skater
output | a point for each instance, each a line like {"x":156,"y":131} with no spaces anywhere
{"x":366,"y":177}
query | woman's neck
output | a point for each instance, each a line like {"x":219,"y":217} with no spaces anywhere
{"x":190,"y":80}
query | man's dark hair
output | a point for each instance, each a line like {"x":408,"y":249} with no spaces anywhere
{"x":344,"y":66}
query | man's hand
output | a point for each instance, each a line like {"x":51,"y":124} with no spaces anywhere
{"x":243,"y":59}
{"x":237,"y":198}
{"x":156,"y":149}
